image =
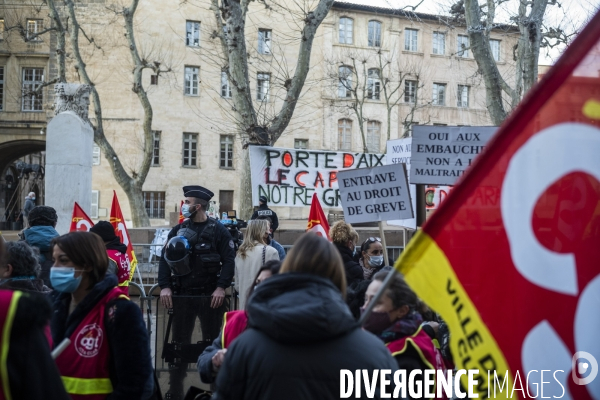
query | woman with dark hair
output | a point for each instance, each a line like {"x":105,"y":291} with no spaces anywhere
{"x":234,"y":323}
{"x":22,"y":269}
{"x":300,"y":315}
{"x":371,"y":257}
{"x":396,"y":321}
{"x":109,"y":354}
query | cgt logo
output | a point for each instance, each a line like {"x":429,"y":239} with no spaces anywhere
{"x":581,"y":363}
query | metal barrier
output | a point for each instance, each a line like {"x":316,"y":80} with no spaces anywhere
{"x":156,"y":321}
{"x":147,"y":263}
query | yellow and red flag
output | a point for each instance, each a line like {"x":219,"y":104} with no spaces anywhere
{"x":181,"y":217}
{"x":80,"y":220}
{"x":511,"y":259}
{"x":118,"y":222}
{"x":317,"y":221}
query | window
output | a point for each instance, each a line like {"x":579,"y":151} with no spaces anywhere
{"x":192,"y":33}
{"x":155,"y":148}
{"x":262,"y":90}
{"x":462,"y":44}
{"x":373,"y":136}
{"x":96,"y":155}
{"x":226,"y":151}
{"x":373,"y":84}
{"x":345,"y":134}
{"x":154,"y":79}
{"x":439,"y":43}
{"x":155,"y":204}
{"x":495,"y":46}
{"x":346,"y":30}
{"x":34,"y":26}
{"x":462,"y":96}
{"x":1,"y":88}
{"x":374,"y":34}
{"x":225,"y":88}
{"x":439,"y":94}
{"x":410,"y":91}
{"x":191,"y":81}
{"x":345,"y":82}
{"x":410,"y":40}
{"x":95,"y":202}
{"x":190,"y":142}
{"x":32,"y":78}
{"x":301,"y":144}
{"x":264,"y":41}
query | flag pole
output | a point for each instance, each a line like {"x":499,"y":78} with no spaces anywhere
{"x":385,"y":253}
{"x":375,"y":299}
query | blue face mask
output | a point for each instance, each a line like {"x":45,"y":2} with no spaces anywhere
{"x":185,"y":211}
{"x":63,"y":279}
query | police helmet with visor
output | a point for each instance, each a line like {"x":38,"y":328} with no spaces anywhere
{"x":177,"y":255}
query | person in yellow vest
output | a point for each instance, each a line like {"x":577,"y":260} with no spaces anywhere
{"x":109,"y":354}
{"x":27,"y":370}
{"x":396,"y":321}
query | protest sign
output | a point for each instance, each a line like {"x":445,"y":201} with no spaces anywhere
{"x":441,"y":154}
{"x":398,"y":152}
{"x":290,"y":177}
{"x":375,"y":194}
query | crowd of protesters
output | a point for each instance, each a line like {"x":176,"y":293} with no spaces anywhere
{"x":296,"y":327}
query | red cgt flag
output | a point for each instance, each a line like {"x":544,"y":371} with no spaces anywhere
{"x":511,"y":260}
{"x":80,"y":220}
{"x":181,"y":217}
{"x":118,"y":222}
{"x":317,"y":221}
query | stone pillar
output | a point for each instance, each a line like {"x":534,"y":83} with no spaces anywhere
{"x":69,"y":146}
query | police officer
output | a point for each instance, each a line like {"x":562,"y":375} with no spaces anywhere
{"x":264,"y":211}
{"x":202,"y":285}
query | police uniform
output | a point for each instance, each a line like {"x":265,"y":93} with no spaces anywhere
{"x":212,"y":265}
{"x":264,"y":211}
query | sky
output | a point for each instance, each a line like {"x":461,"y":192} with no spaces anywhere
{"x":570,"y":16}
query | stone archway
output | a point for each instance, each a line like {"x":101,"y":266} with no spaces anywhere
{"x":11,"y":187}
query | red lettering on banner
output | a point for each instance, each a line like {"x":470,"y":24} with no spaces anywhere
{"x":319,"y":179}
{"x":298,"y":176}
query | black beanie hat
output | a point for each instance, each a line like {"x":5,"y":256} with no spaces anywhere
{"x":42,"y":216}
{"x":105,"y":230}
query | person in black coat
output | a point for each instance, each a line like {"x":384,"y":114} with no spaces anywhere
{"x":130,"y":365}
{"x":345,"y":239}
{"x":300,"y":333}
{"x":265,"y":211}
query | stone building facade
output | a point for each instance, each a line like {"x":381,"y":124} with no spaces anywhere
{"x":419,"y":63}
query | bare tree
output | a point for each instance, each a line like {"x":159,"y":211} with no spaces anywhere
{"x":394,"y":80}
{"x":131,"y":181}
{"x":231,"y":18}
{"x":528,"y":17}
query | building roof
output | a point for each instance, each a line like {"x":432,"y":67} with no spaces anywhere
{"x":342,"y":5}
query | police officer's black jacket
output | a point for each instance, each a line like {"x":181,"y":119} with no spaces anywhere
{"x":300,"y":335}
{"x":264,"y":211}
{"x":224,"y":247}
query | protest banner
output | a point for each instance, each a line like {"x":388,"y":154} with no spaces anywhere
{"x":510,"y":259}
{"x":441,"y":154}
{"x":399,"y":152}
{"x":375,"y":194}
{"x":290,"y":177}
